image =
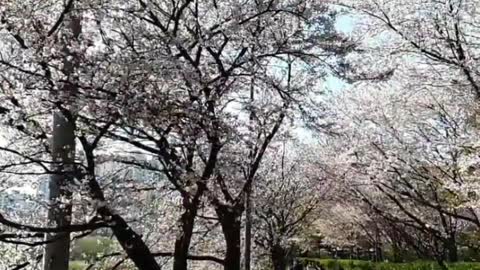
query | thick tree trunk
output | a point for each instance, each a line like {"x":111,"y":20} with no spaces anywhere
{"x":396,"y":252}
{"x":452,"y":251}
{"x":137,"y":251}
{"x":56,"y":254}
{"x":442,"y":264}
{"x":231,"y":226}
{"x":279,"y":257}
{"x":131,"y":242}
{"x":248,"y":228}
{"x":133,"y":245}
{"x":182,"y":243}
{"x":232,"y":240}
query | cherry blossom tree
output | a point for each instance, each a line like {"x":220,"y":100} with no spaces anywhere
{"x":37,"y":80}
{"x":186,"y":82}
{"x":196,"y":108}
{"x":287,"y":198}
{"x":406,"y":151}
{"x":415,"y":139}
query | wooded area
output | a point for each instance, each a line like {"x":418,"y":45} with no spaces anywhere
{"x":253,"y":134}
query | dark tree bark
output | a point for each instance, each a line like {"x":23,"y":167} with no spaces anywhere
{"x":279,"y":257}
{"x":182,"y":243}
{"x":131,"y":242}
{"x":133,"y":245}
{"x":137,"y":251}
{"x":248,"y":228}
{"x":191,"y":204}
{"x":230,"y":220}
{"x":451,"y":249}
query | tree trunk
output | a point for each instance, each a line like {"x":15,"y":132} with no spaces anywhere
{"x":279,"y":257}
{"x":451,"y":248}
{"x":134,"y":246}
{"x":182,"y":243}
{"x":231,"y":226}
{"x":439,"y":254}
{"x":56,"y":254}
{"x":396,"y":253}
{"x":248,"y":228}
{"x":442,"y":264}
{"x":131,"y":242}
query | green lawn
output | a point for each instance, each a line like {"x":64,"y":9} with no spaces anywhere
{"x":330,"y":264}
{"x":78,"y":265}
{"x":82,"y":265}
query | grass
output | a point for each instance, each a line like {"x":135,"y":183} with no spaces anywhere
{"x":77,"y":265}
{"x":83,"y":265}
{"x":331,"y":264}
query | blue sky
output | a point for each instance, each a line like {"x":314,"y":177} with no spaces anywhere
{"x":345,"y":25}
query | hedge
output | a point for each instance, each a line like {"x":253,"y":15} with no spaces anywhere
{"x":331,"y":264}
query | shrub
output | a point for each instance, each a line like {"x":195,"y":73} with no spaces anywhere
{"x":82,"y":265}
{"x":77,"y":265}
{"x":89,"y":248}
{"x":331,"y":264}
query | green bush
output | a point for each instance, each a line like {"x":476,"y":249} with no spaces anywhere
{"x":82,"y":265}
{"x":77,"y":265}
{"x":89,"y":248}
{"x":331,"y":264}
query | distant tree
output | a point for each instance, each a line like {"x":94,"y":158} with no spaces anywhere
{"x":289,"y":194}
{"x":171,"y":80}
